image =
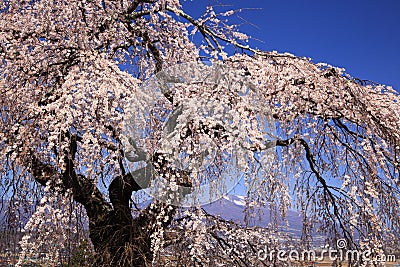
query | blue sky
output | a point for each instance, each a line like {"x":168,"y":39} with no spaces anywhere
{"x":361,"y":36}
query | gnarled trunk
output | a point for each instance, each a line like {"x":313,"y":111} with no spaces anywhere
{"x":120,"y":241}
{"x":119,"y":238}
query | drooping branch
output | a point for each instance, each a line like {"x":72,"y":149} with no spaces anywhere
{"x":147,"y":41}
{"x":326,"y":188}
{"x":83,"y":189}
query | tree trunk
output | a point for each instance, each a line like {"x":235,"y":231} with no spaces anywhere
{"x":121,"y":241}
{"x":117,"y":237}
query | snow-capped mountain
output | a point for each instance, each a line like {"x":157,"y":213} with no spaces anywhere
{"x":232,"y":207}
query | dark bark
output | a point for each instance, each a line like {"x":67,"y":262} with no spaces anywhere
{"x":117,"y":237}
{"x":122,"y":240}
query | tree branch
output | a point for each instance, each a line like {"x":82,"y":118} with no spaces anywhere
{"x":321,"y":180}
{"x":83,"y":189}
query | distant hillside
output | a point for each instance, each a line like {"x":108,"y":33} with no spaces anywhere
{"x":231,"y":207}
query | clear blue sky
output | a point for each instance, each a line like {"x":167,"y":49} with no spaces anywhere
{"x":361,"y":36}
